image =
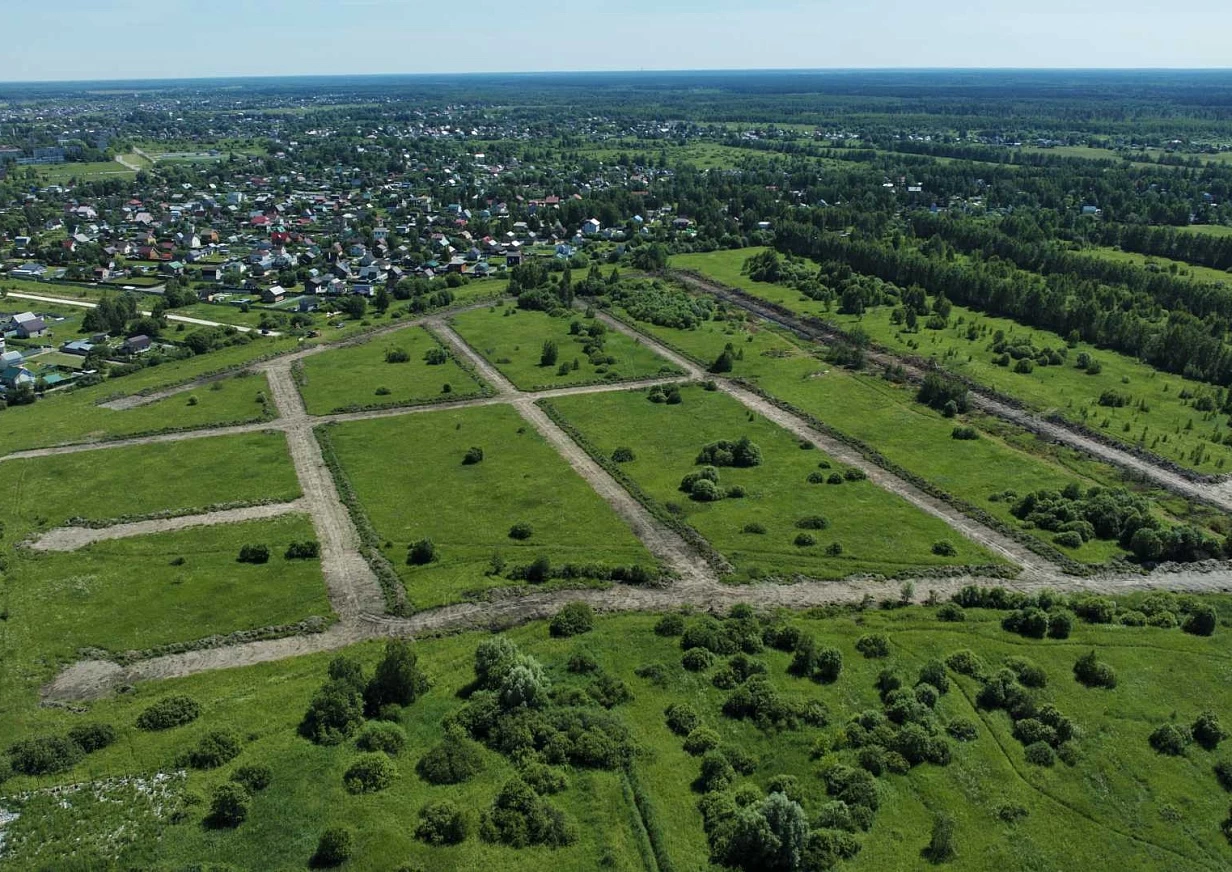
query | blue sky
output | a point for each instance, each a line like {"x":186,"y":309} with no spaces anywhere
{"x":110,"y":39}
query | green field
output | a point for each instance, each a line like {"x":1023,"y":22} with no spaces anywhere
{"x":410,"y":479}
{"x":1156,"y":415}
{"x":512,"y":340}
{"x":1119,"y":806}
{"x":886,"y":417}
{"x":1163,"y":264}
{"x":65,"y":418}
{"x":878,"y":532}
{"x":1209,"y":229}
{"x":351,"y":377}
{"x":60,"y":174}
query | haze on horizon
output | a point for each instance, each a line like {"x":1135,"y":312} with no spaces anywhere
{"x":139,"y":39}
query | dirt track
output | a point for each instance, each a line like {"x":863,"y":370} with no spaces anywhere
{"x":356,"y":596}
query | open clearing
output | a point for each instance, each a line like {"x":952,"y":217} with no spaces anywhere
{"x":362,"y":375}
{"x":513,"y":341}
{"x":877,"y":531}
{"x":468,"y":510}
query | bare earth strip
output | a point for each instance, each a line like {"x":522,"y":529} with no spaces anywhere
{"x":73,"y":538}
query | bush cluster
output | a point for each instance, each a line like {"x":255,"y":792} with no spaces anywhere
{"x":254,"y":554}
{"x":171,"y":711}
{"x":740,"y":453}
{"x":306,"y":550}
{"x":519,"y":818}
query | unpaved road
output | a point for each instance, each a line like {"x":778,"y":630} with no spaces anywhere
{"x":73,"y":538}
{"x":1219,"y":494}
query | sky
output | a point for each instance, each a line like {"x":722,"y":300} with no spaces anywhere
{"x":138,"y":39}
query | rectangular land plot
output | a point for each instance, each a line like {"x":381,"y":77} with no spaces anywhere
{"x":137,"y":593}
{"x":877,"y":531}
{"x":409,"y":476}
{"x":353,"y":377}
{"x":513,"y":341}
{"x":1159,"y":411}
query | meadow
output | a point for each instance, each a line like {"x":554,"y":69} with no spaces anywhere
{"x":513,"y":341}
{"x":1158,"y":413}
{"x":885,"y":416}
{"x":1117,"y":805}
{"x":364,"y":376}
{"x":410,"y":478}
{"x":876,"y":531}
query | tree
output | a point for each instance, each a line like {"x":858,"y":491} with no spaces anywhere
{"x":941,"y":847}
{"x":335,"y":713}
{"x":724,"y":362}
{"x":398,"y":680}
{"x":381,"y":301}
{"x":549,"y":354}
{"x":525,"y":685}
{"x":1208,"y":731}
{"x":453,"y":761}
{"x":493,"y":659}
{"x":229,"y":805}
{"x":354,"y":306}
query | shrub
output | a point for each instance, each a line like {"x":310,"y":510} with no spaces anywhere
{"x":255,"y":777}
{"x":44,"y":755}
{"x":1201,"y":621}
{"x":421,"y":553}
{"x":1092,"y":673}
{"x":401,"y":355}
{"x":805,"y":540}
{"x":473,"y":455}
{"x":944,"y":549}
{"x":539,"y":570}
{"x":812,"y":522}
{"x":682,"y":718}
{"x":441,"y":823}
{"x":1060,"y":624}
{"x":549,"y":354}
{"x":697,"y":660}
{"x":933,"y":672}
{"x":305,"y":550}
{"x":965,"y":662}
{"x":1207,"y":731}
{"x":951,"y":612}
{"x":228,"y":806}
{"x":754,"y":528}
{"x":1031,"y":622}
{"x":582,"y":662}
{"x":670,"y":625}
{"x":623,"y":454}
{"x":1029,"y":674}
{"x":816,"y":478}
{"x":1170,"y":739}
{"x":519,"y":818}
{"x":172,"y":711}
{"x":334,"y":848}
{"x":741,"y":453}
{"x":1223,"y":774}
{"x":521,"y":531}
{"x":398,"y":680}
{"x":717,"y":773}
{"x":741,"y":760}
{"x":254,"y":554}
{"x":382,"y":736}
{"x":941,"y":846}
{"x":834,"y":478}
{"x":453,"y":761}
{"x":962,"y":729}
{"x":700,"y":740}
{"x":609,"y":691}
{"x":1068,"y":539}
{"x":435,"y":356}
{"x":369,"y":774}
{"x":544,"y":780}
{"x":572,"y":620}
{"x":214,"y":749}
{"x":874,"y":645}
{"x":92,"y":737}
{"x":1040,"y":754}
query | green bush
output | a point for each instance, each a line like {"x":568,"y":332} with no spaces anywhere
{"x":421,"y":553}
{"x":382,"y":736}
{"x":717,"y":773}
{"x":44,"y":755}
{"x":369,"y":774}
{"x":670,"y":625}
{"x":942,"y":846}
{"x":700,"y":740}
{"x":228,"y":805}
{"x":92,"y":737}
{"x":172,"y":711}
{"x":401,"y":355}
{"x":255,"y":777}
{"x":697,"y":660}
{"x":453,"y":761}
{"x":805,"y":540}
{"x":397,"y":680}
{"x":1029,"y":673}
{"x":519,"y":818}
{"x":573,"y":619}
{"x":1092,"y":673}
{"x":1068,"y":539}
{"x":473,"y":455}
{"x":1223,"y":774}
{"x":962,"y":729}
{"x":1201,"y":621}
{"x":521,"y":531}
{"x":306,"y":550}
{"x":874,"y":645}
{"x":623,"y":454}
{"x":812,"y":522}
{"x":951,"y":613}
{"x":214,"y":749}
{"x":254,"y":554}
{"x":1040,"y":754}
{"x":334,"y":714}
{"x":966,"y":662}
{"x":441,"y":823}
{"x":1170,"y":739}
{"x":334,"y":848}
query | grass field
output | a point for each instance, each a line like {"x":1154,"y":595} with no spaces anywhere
{"x":172,"y":477}
{"x":412,"y":483}
{"x":1156,"y":416}
{"x":1209,"y":229}
{"x":513,"y":340}
{"x":60,"y":174}
{"x":351,"y":377}
{"x":886,"y":417}
{"x":878,"y":532}
{"x":1163,"y":264}
{"x":64,"y":418}
{"x":1120,"y":806}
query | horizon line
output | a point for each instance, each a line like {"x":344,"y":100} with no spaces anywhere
{"x":592,"y":72}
